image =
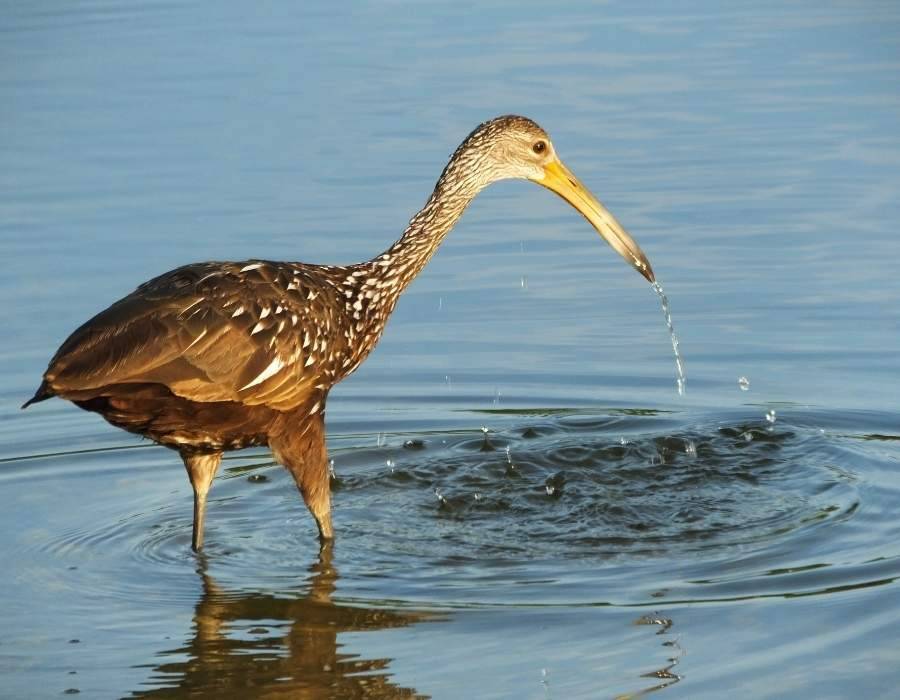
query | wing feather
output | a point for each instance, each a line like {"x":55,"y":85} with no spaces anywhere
{"x":209,"y":332}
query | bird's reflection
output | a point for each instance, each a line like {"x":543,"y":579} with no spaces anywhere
{"x":665,"y":675}
{"x":264,"y":645}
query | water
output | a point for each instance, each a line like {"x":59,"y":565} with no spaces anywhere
{"x":680,"y":379}
{"x":605,"y":537}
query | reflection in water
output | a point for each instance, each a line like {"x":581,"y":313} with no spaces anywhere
{"x":265,"y":645}
{"x":665,"y":675}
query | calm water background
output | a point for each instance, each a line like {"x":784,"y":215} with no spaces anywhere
{"x":628,"y":539}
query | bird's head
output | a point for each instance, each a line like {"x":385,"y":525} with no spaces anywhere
{"x":516,"y":147}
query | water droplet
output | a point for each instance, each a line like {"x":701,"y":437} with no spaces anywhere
{"x":770,"y":416}
{"x":690,"y":448}
{"x":485,"y":429}
{"x":477,"y":496}
{"x":744,"y":383}
{"x":440,"y":303}
{"x":381,"y":440}
{"x":497,"y":395}
{"x":550,"y":490}
{"x":524,"y":282}
{"x":440,"y":497}
{"x":623,"y":441}
{"x":331,"y":468}
{"x":510,"y":467}
{"x":747,"y":435}
{"x":390,"y":465}
{"x":680,"y":378}
{"x":447,"y":381}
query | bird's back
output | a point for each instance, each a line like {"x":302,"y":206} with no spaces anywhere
{"x":253,"y":333}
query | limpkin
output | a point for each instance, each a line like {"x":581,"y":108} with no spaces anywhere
{"x":219,"y":356}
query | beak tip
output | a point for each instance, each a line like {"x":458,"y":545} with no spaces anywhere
{"x":642,"y":265}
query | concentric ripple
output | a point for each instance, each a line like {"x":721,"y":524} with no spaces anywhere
{"x":561,"y":506}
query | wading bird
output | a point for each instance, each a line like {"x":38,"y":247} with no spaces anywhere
{"x":219,"y":356}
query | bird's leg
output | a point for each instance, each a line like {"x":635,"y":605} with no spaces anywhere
{"x":304,"y":455}
{"x":201,"y":469}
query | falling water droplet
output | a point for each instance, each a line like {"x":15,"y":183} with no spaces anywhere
{"x":440,"y":497}
{"x":550,"y":490}
{"x":524,"y":282}
{"x":747,"y":435}
{"x":770,"y":416}
{"x":623,"y":441}
{"x":510,"y":467}
{"x":690,"y":448}
{"x":744,"y":383}
{"x":485,"y":429}
{"x":331,"y":468}
{"x":680,"y":378}
{"x":390,"y":465}
{"x":545,"y":681}
{"x":449,"y":384}
{"x":497,"y":396}
{"x":440,"y":303}
{"x":380,"y":442}
{"x":477,"y":496}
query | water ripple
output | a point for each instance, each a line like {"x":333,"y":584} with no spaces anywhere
{"x":542,"y":504}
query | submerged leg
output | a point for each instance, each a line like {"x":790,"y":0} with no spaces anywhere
{"x":304,"y":455}
{"x":201,"y":469}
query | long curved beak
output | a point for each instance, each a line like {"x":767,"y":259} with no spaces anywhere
{"x":559,"y":179}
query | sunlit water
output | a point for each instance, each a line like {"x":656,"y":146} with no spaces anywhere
{"x":524,"y":506}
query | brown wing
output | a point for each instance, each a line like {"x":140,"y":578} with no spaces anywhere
{"x":255,"y":332}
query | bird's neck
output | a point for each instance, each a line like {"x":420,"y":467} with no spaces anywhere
{"x":405,"y":259}
{"x":398,"y":266}
{"x":372,"y":288}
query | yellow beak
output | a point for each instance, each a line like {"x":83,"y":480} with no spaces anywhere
{"x":559,"y":179}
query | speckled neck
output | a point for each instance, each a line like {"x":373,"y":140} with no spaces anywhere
{"x":372,"y":288}
{"x":399,"y":265}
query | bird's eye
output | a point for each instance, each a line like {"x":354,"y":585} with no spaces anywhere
{"x":539,"y":147}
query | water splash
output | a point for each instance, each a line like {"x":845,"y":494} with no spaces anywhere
{"x":744,"y":383}
{"x":510,"y":467}
{"x":680,"y":379}
{"x":770,"y":416}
